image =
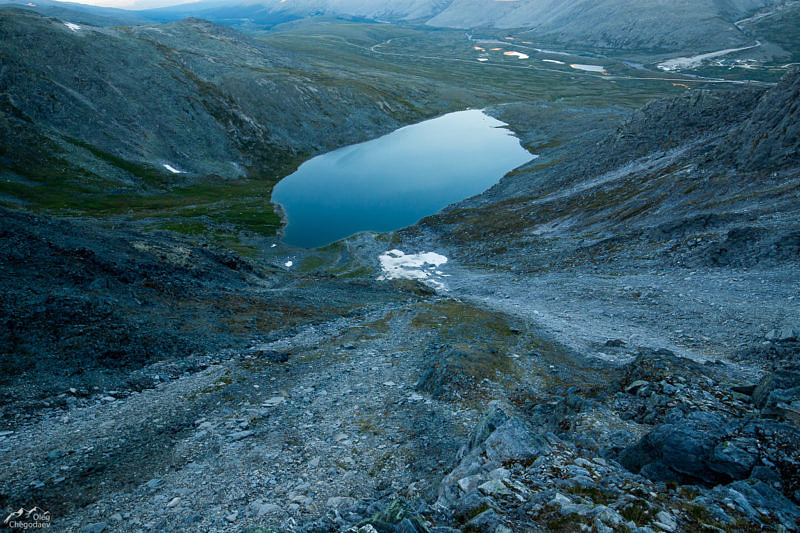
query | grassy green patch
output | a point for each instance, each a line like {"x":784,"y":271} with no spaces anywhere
{"x":148,"y":174}
{"x":215,"y":208}
{"x":637,"y":511}
{"x":567,"y":523}
{"x":593,"y":493}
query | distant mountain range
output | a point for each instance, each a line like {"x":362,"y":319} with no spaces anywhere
{"x":617,"y":24}
{"x":648,"y":25}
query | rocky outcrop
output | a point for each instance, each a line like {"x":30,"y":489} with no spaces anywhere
{"x":770,"y":138}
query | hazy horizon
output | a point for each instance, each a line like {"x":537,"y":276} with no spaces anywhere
{"x":133,"y":5}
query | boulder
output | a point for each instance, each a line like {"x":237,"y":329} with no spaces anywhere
{"x":493,"y":419}
{"x":469,"y":506}
{"x":783,"y":334}
{"x":486,"y":522}
{"x":399,"y":516}
{"x":682,"y":451}
{"x":783,"y":379}
{"x":512,"y":442}
{"x":752,"y":498}
{"x":778,"y":395}
{"x":734,"y":458}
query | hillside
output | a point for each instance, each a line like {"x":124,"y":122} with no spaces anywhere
{"x":614,"y":24}
{"x":648,"y":25}
{"x":150,"y":119}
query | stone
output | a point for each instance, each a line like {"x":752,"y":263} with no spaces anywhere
{"x":274,"y":401}
{"x":512,"y":442}
{"x":469,"y":506}
{"x":470,"y":483}
{"x":634,"y":387}
{"x":783,"y":334}
{"x":752,"y":495}
{"x":574,"y":470}
{"x":260,"y":507}
{"x":734,"y":458}
{"x":406,"y":526}
{"x":273,"y":356}
{"x":174,"y":502}
{"x":778,"y":395}
{"x":99,"y":527}
{"x":499,"y":473}
{"x":398,"y":511}
{"x":679,"y":451}
{"x":747,"y":389}
{"x":153,"y":484}
{"x":486,"y":522}
{"x":495,"y":487}
{"x":600,"y":527}
{"x":559,"y":500}
{"x":766,"y":474}
{"x":239,"y":435}
{"x":665,"y":522}
{"x":52,"y":455}
{"x":492,"y":420}
{"x":608,"y":515}
{"x":339,"y":502}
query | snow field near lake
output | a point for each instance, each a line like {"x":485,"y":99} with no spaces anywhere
{"x":423,"y":267}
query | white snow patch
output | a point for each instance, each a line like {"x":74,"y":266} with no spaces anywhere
{"x":482,"y":59}
{"x":172,"y":169}
{"x":396,"y":264}
{"x":289,"y":264}
{"x":695,"y":61}
{"x":554,"y":61}
{"x":72,"y":26}
{"x":588,"y":68}
{"x":273,"y":246}
{"x":520,"y":55}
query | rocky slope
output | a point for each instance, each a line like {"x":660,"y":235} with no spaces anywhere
{"x":660,"y":234}
{"x":611,"y":346}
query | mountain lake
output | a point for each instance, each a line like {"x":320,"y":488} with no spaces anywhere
{"x":393,"y":181}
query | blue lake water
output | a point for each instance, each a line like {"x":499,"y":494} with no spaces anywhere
{"x":393,"y":181}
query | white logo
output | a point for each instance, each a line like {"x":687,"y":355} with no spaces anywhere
{"x":36,"y":518}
